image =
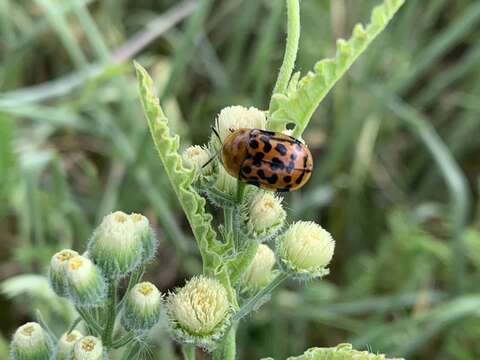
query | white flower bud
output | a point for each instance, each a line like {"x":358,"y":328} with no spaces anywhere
{"x":146,"y":235}
{"x":31,"y":342}
{"x":260,"y":272}
{"x":266,"y":215}
{"x":66,"y":343}
{"x":56,"y":271}
{"x":306,"y":249}
{"x":85,"y":282}
{"x":195,"y":157}
{"x":88,"y":348}
{"x":199,"y":312}
{"x":237,"y":117}
{"x":114,"y":246}
{"x":142,"y":307}
{"x":225,"y":183}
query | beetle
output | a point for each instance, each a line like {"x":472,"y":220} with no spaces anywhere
{"x":270,"y":160}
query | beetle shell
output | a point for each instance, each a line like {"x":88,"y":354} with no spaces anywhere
{"x":272,"y":161}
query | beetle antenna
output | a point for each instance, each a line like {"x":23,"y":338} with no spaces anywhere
{"x":217,"y":134}
{"x":210,"y":160}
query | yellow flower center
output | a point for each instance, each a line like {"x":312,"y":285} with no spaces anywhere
{"x":71,"y":338}
{"x":75,"y":264}
{"x":65,"y":256}
{"x":88,"y":345}
{"x":28,"y":330}
{"x":145,"y":289}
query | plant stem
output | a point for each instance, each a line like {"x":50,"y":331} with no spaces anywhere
{"x":89,"y":320}
{"x":188,"y":352}
{"x":291,"y":48}
{"x":123,"y":340}
{"x":134,"y":279}
{"x":227,"y":348}
{"x":256,"y":300}
{"x":111,"y":312}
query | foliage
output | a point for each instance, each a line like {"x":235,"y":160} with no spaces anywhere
{"x":79,"y":149}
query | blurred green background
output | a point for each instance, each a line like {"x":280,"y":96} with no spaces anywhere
{"x":396,"y":147}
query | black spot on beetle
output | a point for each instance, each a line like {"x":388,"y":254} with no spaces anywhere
{"x":267,"y":147}
{"x":294,"y":156}
{"x":273,"y":179}
{"x":253,"y":144}
{"x":300,"y":178}
{"x":305,"y":159}
{"x":266,"y":132}
{"x":290,"y":167}
{"x":247,"y":169}
{"x":287,"y":178}
{"x":281,"y":149}
{"x":276,"y":164}
{"x":257,"y":159}
{"x":261,"y":174}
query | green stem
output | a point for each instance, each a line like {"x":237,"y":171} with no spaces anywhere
{"x":226,"y":350}
{"x":242,"y":261}
{"x":134,"y":279}
{"x":130,"y":351}
{"x":74,"y":324}
{"x":111,"y":312}
{"x":123,"y":341}
{"x":188,"y":352}
{"x":91,"y":322}
{"x":291,"y":48}
{"x":254,"y":302}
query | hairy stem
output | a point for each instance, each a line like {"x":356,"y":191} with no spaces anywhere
{"x":227,"y":348}
{"x":111,"y":312}
{"x":291,"y":48}
{"x":188,"y":352}
{"x":255,"y":301}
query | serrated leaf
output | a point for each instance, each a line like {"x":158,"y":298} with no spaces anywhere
{"x":298,"y":106}
{"x":339,"y":352}
{"x":180,"y":177}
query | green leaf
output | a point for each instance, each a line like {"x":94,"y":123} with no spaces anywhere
{"x":180,"y":178}
{"x":298,"y":106}
{"x":339,"y":352}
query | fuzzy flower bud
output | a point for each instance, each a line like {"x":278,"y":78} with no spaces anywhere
{"x":225,"y":182}
{"x":237,"y":117}
{"x":199,"y":312}
{"x":146,"y":236}
{"x":260,"y":272}
{"x":85,"y":282}
{"x":142,"y":307}
{"x":306,"y":249}
{"x":66,"y":343}
{"x":56,"y":271}
{"x":266,"y":215}
{"x":114,"y":246}
{"x":88,"y":348}
{"x":195,"y":157}
{"x":31,"y":342}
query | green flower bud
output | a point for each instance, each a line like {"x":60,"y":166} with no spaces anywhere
{"x":195,"y":157}
{"x":66,"y":343}
{"x":260,"y":272}
{"x":114,"y":246}
{"x":31,"y":342}
{"x":266,"y":215}
{"x":56,"y":271}
{"x":305,"y":250}
{"x":146,"y":235}
{"x":237,"y":117}
{"x":199,"y":312}
{"x":88,"y":348}
{"x":142,"y":308}
{"x":86,"y":284}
